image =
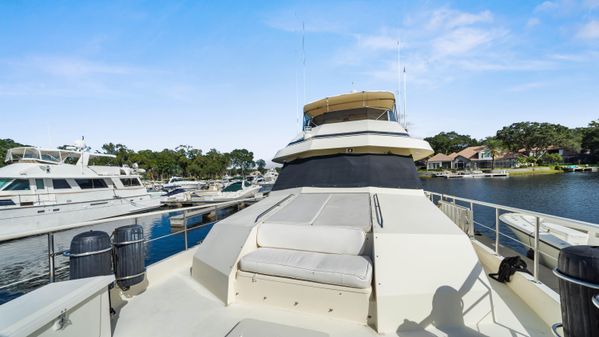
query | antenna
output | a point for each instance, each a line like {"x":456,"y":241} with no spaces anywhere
{"x":405,"y":99}
{"x":304,"y":58}
{"x":399,"y":79}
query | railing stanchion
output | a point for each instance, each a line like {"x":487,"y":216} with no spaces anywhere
{"x":51,"y":256}
{"x":497,"y":231}
{"x":536,"y":251}
{"x":185,"y":229}
{"x":471,"y":218}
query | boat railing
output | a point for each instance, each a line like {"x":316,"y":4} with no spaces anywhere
{"x":466,"y":208}
{"x":52,"y":253}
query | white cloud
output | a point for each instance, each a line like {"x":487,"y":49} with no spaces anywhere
{"x":464,"y":40}
{"x":546,"y":6}
{"x":528,"y":86}
{"x":448,"y":18}
{"x":589,"y":31}
{"x":377,"y":42}
{"x":533,"y":22}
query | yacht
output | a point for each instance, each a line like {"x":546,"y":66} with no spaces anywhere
{"x":236,"y":190}
{"x":347,"y":244}
{"x":175,"y":183}
{"x":44,"y":188}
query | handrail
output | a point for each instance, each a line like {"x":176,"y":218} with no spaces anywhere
{"x":272,"y":207}
{"x":124,"y":217}
{"x":377,"y":210}
{"x":517,"y":210}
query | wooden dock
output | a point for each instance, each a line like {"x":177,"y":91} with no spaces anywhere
{"x":181,"y":221}
{"x":576,"y":168}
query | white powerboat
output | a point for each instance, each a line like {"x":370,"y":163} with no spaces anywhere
{"x":180,"y":183}
{"x":347,"y":244}
{"x":553,"y":237}
{"x":233,"y":191}
{"x":39,"y":190}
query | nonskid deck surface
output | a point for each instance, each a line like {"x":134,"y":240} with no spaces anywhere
{"x":179,"y":306}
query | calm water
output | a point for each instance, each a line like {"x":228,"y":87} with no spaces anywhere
{"x":571,"y":195}
{"x":27,"y":258}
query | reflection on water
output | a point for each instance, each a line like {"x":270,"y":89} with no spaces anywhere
{"x":27,"y":258}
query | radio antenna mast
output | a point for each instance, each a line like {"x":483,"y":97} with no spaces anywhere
{"x":399,"y":81}
{"x":405,"y":100}
{"x":304,"y":58}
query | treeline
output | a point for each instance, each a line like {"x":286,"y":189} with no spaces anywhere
{"x":528,"y":138}
{"x":184,"y":160}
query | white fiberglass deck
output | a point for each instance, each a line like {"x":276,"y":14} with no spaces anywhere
{"x":175,"y":304}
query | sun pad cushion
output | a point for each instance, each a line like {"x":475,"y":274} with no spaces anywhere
{"x":344,"y":270}
{"x":323,"y":239}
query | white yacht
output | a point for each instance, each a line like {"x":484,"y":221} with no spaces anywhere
{"x":184,"y":184}
{"x":347,"y":244}
{"x":44,"y":188}
{"x":235,"y":190}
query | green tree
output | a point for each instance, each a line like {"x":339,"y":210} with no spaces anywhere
{"x":494,"y":146}
{"x":536,"y":138}
{"x":590,"y":140}
{"x":261,"y":164}
{"x":242,"y":159}
{"x":448,"y":142}
{"x":5,"y":145}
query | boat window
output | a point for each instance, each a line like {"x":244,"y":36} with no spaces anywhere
{"x":234,"y":187}
{"x":31,"y":153}
{"x":7,"y":202}
{"x":351,"y":115}
{"x":51,"y":156}
{"x":86,"y":184}
{"x":60,"y":184}
{"x":4,"y":182}
{"x":18,"y":185}
{"x":130,"y":182}
{"x":350,"y":170}
{"x":39,"y":184}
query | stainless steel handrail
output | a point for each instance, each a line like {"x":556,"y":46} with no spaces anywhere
{"x":50,"y":233}
{"x":591,"y":229}
{"x":575,"y":280}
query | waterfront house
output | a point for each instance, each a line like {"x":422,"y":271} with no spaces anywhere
{"x":471,"y":158}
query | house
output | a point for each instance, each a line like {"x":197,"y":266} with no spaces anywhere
{"x":471,"y":158}
{"x":440,"y":161}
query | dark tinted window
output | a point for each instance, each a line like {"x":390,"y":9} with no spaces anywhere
{"x":130,"y":182}
{"x":60,"y":184}
{"x":18,"y":185}
{"x":86,"y":184}
{"x":39,"y":184}
{"x":350,"y":170}
{"x":6,"y":202}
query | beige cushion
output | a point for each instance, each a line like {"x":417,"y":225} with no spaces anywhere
{"x":344,"y":270}
{"x":323,"y":239}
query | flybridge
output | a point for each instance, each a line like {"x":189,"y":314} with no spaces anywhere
{"x":49,"y":156}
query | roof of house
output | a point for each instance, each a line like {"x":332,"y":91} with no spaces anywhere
{"x":471,"y":151}
{"x":443,"y":157}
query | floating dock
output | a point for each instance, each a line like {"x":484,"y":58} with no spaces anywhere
{"x":185,"y":220}
{"x":474,"y":175}
{"x":576,"y":168}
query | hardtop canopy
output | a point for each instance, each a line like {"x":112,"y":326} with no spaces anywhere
{"x":382,"y":100}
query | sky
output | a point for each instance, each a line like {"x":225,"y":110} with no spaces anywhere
{"x":226,"y":75}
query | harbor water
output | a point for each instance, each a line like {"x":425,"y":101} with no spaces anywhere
{"x":27,"y":258}
{"x":570,"y":195}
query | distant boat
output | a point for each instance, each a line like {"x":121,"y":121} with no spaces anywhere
{"x":46,"y":188}
{"x":234,"y":191}
{"x":552,"y":237}
{"x":180,"y":183}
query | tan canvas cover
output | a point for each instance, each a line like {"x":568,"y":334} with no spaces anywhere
{"x":379,"y":100}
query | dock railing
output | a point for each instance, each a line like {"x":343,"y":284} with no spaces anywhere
{"x":469,"y":204}
{"x":52,"y":253}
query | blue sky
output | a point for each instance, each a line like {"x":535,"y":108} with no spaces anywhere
{"x":225,"y":75}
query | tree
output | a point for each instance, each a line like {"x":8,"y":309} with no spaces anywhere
{"x":242,"y":159}
{"x":536,"y":138}
{"x":551,"y":159}
{"x":494,"y":146}
{"x":590,"y":140}
{"x":448,"y":142}
{"x":5,"y":145}
{"x":261,"y":165}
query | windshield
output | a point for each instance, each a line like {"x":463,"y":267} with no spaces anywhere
{"x":4,"y":182}
{"x":350,"y":115}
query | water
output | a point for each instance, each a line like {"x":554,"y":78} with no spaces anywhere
{"x":570,"y":195}
{"x":27,"y":258}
